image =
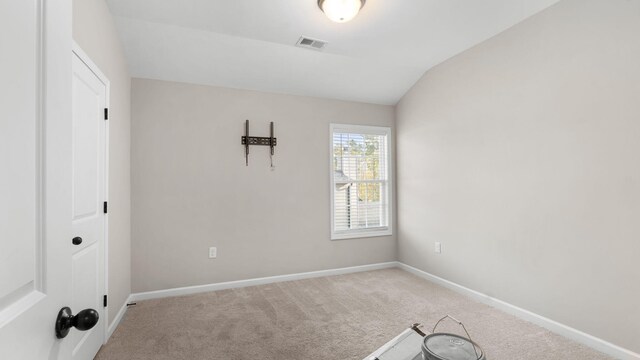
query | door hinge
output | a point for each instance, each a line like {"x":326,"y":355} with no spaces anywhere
{"x":104,"y":301}
{"x":104,"y":208}
{"x":106,"y":113}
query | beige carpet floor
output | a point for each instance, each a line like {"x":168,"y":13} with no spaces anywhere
{"x":342,"y":317}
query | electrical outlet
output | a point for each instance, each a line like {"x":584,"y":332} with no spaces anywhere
{"x":213,"y":252}
{"x":438,"y":248}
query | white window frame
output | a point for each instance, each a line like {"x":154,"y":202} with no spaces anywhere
{"x":372,"y":232}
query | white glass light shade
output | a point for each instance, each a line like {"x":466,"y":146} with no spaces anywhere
{"x":341,"y":10}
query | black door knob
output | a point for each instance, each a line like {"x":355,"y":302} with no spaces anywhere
{"x":83,"y":321}
{"x":76,"y":240}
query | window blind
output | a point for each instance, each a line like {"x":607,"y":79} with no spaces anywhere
{"x":360,"y":179}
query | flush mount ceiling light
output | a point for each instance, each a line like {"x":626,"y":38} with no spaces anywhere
{"x":341,"y":10}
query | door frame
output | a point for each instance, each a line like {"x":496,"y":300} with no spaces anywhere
{"x":77,"y":51}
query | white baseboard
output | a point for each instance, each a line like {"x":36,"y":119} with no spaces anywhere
{"x":553,"y":326}
{"x":259,"y":281}
{"x":116,"y":321}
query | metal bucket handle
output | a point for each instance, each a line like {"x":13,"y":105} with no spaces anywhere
{"x":463,"y":327}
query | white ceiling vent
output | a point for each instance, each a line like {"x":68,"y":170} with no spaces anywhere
{"x":309,"y":43}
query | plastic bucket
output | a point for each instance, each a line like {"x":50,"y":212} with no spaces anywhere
{"x":445,"y":346}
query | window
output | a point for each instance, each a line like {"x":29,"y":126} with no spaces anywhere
{"x":360,"y":181}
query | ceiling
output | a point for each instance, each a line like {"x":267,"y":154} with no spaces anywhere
{"x":250,"y":44}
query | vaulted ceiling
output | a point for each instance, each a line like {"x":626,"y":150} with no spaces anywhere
{"x":250,"y":44}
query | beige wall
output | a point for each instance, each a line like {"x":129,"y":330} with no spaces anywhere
{"x":94,"y":31}
{"x":522,"y":156}
{"x":192,"y":190}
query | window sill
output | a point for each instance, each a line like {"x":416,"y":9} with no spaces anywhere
{"x":361,"y":234}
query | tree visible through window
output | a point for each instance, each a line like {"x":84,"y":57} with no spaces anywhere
{"x":360,"y":181}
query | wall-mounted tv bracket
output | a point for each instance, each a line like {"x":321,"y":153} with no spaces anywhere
{"x":247,"y":141}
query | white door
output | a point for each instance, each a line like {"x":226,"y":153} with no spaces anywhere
{"x":35,"y":176}
{"x":88,"y":196}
